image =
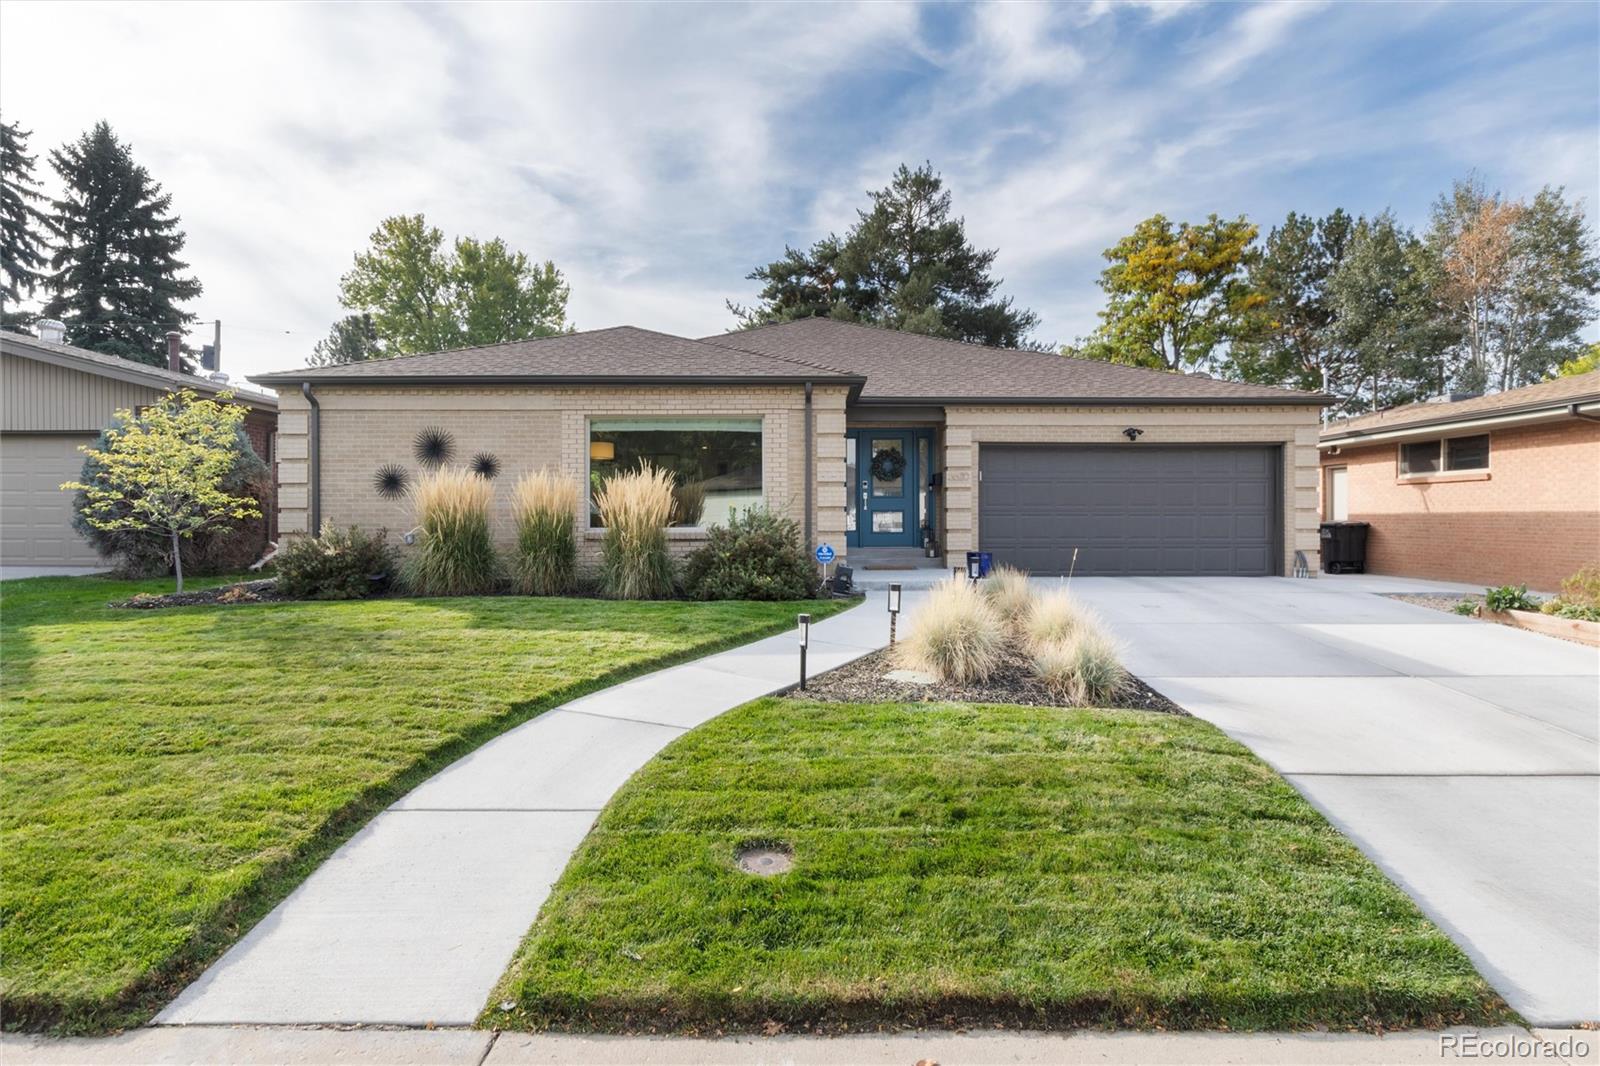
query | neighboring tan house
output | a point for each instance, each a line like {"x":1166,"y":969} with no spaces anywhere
{"x":876,"y":442}
{"x":57,"y":397}
{"x":1493,"y":490}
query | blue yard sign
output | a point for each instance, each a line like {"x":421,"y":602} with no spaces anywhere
{"x":824,"y":554}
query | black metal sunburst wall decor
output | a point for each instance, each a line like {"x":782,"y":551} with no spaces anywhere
{"x":391,"y":481}
{"x":433,"y":447}
{"x":486,"y":465}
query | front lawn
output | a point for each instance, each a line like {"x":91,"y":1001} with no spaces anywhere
{"x":168,"y":775}
{"x":972,"y":865}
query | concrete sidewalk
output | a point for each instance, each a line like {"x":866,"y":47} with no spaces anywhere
{"x":1459,"y":755}
{"x":413,"y":920}
{"x":251,"y":1046}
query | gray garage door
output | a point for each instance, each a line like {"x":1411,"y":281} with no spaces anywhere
{"x":35,"y":515}
{"x":1139,"y":509}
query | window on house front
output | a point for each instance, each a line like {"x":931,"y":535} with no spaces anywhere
{"x":1445,"y":456}
{"x":1467,"y":453}
{"x":715,"y":463}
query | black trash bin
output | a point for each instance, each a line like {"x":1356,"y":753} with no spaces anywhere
{"x":1344,"y":547}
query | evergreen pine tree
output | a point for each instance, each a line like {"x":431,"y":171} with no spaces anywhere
{"x":118,"y":279}
{"x":22,"y":249}
{"x":906,"y":264}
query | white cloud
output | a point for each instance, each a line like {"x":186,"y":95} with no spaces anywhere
{"x":1253,"y":34}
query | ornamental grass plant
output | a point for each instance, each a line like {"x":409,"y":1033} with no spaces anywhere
{"x":956,"y":634}
{"x":543,"y":504}
{"x":635,"y":507}
{"x":454,"y":554}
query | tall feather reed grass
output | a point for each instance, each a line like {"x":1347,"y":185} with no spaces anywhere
{"x":956,"y":634}
{"x":543,"y":505}
{"x":455,"y":549}
{"x":635,"y":507}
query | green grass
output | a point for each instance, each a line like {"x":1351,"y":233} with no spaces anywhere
{"x":169,"y":775}
{"x":973,"y":865}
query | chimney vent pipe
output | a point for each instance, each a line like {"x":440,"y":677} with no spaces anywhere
{"x":174,"y":351}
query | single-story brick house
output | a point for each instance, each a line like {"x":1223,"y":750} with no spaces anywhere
{"x":58,"y":397}
{"x":1493,"y":489}
{"x":880,"y":443}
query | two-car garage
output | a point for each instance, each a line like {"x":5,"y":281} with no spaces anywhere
{"x":1133,"y":509}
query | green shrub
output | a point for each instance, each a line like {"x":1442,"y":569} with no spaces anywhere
{"x":1583,"y":588}
{"x":955,"y":634}
{"x":758,"y":555}
{"x":455,"y":548}
{"x":1465,"y":607}
{"x":635,"y":508}
{"x":544,"y":504}
{"x":1578,"y":611}
{"x":1509,"y":598}
{"x":342,"y":564}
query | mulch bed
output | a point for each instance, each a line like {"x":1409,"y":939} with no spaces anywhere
{"x":262,"y":591}
{"x":1435,"y":600}
{"x":863,"y":681}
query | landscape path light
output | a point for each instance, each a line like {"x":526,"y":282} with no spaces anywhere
{"x":805,"y":641}
{"x":894,"y":608}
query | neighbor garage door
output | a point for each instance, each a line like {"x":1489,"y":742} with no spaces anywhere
{"x":1139,"y":509}
{"x":35,"y":515}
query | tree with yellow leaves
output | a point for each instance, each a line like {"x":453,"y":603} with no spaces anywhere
{"x":1175,"y":293}
{"x":161,"y":473}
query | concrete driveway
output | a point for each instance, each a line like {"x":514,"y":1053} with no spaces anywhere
{"x":1460,"y":755}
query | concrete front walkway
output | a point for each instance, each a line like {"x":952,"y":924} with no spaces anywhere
{"x":1460,"y":755}
{"x":416,"y":917}
{"x":456,"y":1047}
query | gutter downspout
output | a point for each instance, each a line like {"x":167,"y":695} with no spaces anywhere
{"x":1572,"y":409}
{"x":810,"y":476}
{"x":314,"y":453}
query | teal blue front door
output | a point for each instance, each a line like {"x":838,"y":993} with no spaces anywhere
{"x":886,"y":488}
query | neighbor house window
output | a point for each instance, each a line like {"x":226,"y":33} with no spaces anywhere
{"x":715,"y":463}
{"x":1445,"y":456}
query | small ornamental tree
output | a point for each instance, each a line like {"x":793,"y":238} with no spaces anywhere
{"x":162,"y":474}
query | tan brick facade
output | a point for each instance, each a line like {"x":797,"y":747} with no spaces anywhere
{"x":363,"y":428}
{"x":967,"y":429}
{"x":1533,"y":517}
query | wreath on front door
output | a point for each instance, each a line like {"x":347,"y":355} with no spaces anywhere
{"x":888,"y":464}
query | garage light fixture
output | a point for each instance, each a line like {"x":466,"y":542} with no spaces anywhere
{"x":1133,"y":433}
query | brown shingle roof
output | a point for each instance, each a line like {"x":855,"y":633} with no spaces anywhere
{"x":621,"y":353}
{"x":1581,"y":388}
{"x":912,"y":368}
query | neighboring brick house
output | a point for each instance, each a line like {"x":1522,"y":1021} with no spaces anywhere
{"x":58,"y":397}
{"x":886,"y":445}
{"x":1490,"y":490}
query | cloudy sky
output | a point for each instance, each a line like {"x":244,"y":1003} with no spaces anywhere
{"x":658,"y":153}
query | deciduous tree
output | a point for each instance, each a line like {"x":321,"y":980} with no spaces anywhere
{"x":1519,"y":277}
{"x":422,"y":298}
{"x":164,"y":473}
{"x":1176,"y":295}
{"x":905,"y":264}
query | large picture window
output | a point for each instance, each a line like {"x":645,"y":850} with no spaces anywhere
{"x":715,"y":463}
